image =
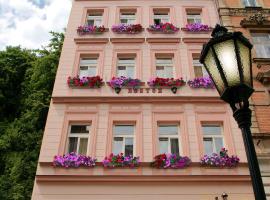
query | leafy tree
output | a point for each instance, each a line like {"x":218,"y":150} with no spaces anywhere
{"x":29,"y":90}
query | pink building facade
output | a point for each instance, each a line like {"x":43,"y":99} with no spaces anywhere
{"x":142,"y":122}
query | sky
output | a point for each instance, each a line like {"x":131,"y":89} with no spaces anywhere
{"x":28,"y":22}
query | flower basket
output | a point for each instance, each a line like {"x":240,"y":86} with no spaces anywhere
{"x":197,"y":28}
{"x":170,"y":161}
{"x":73,"y":160}
{"x":172,"y":83}
{"x":163,"y":28}
{"x":202,"y":82}
{"x":113,"y":161}
{"x":127,"y":28}
{"x":221,"y":160}
{"x":117,"y":83}
{"x":86,"y":82}
{"x":88,"y":29}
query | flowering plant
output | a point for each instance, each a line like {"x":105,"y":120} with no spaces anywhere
{"x":89,"y":29}
{"x":197,"y":27}
{"x":166,"y":161}
{"x":221,"y":160}
{"x":120,"y":161}
{"x":127,"y":28}
{"x":164,"y":28}
{"x":166,"y":82}
{"x":73,"y":160}
{"x":122,"y":81}
{"x":92,"y":82}
{"x":201,"y":82}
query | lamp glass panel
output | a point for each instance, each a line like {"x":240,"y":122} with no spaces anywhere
{"x":245,"y":60}
{"x":227,"y":57}
{"x":210,"y":64}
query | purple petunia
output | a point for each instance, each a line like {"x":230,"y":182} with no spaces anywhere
{"x":201,"y":82}
{"x":197,"y":27}
{"x":122,"y":81}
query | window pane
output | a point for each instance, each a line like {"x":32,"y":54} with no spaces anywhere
{"x":168,"y":130}
{"x":198,"y":71}
{"x":79,"y":129}
{"x":83,"y":71}
{"x":123,"y":21}
{"x":128,"y":146}
{"x":168,"y":72}
{"x":72,"y":145}
{"x":211,"y":130}
{"x":83,"y":146}
{"x":123,"y":130}
{"x":90,"y":22}
{"x":91,"y":71}
{"x":219,"y":144}
{"x":174,"y":146}
{"x":208,"y":145}
{"x":117,"y":145}
{"x":88,"y":61}
{"x":163,"y":145}
{"x":130,"y":72}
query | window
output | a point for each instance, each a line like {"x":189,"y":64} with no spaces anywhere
{"x":168,"y":139}
{"x":212,"y":138}
{"x":199,"y":69}
{"x":194,"y":16}
{"x":88,"y":67}
{"x":128,"y":18}
{"x":164,"y":67}
{"x":123,"y":139}
{"x":94,"y":19}
{"x":161,"y":17}
{"x":78,"y":139}
{"x":249,"y":3}
{"x":126,"y":67}
{"x":261,"y":43}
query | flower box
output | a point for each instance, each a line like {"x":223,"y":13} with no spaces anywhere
{"x":166,"y":83}
{"x":166,"y":28}
{"x":113,"y":161}
{"x":202,"y":82}
{"x":84,"y":30}
{"x":197,"y":28}
{"x":117,"y":83}
{"x":170,"y":161}
{"x":221,"y":160}
{"x":127,"y":28}
{"x":73,"y":160}
{"x":85,"y":82}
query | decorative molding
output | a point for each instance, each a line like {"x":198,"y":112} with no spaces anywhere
{"x":263,"y":77}
{"x":195,"y":40}
{"x":87,"y":40}
{"x":256,"y":20}
{"x":127,"y":40}
{"x":163,"y":40}
{"x":243,"y":11}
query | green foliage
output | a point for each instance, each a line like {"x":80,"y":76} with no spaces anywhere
{"x":26,"y":83}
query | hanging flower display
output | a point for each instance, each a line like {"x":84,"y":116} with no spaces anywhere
{"x":173,"y":161}
{"x":127,"y":28}
{"x":119,"y":82}
{"x":163,"y":28}
{"x":91,"y":82}
{"x":220,"y":160}
{"x":73,"y":160}
{"x":89,"y":29}
{"x":120,"y":160}
{"x":201,"y":82}
{"x":166,"y":82}
{"x":197,"y":27}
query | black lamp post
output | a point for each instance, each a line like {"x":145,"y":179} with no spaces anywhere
{"x":227,"y":59}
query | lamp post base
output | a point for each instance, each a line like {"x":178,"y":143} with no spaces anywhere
{"x":243,"y":118}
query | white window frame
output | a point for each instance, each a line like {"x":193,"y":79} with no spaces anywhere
{"x":127,"y":63}
{"x":130,"y":17}
{"x":169,"y":137}
{"x":89,"y":65}
{"x":164,"y":18}
{"x":168,"y":67}
{"x":79,"y":136}
{"x":97,"y":18}
{"x":261,"y":46}
{"x":196,"y":63}
{"x":195,"y":17}
{"x":250,"y":3}
{"x":124,"y":138}
{"x":213,"y":137}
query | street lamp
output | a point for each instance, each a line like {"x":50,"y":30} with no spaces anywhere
{"x":227,"y":59}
